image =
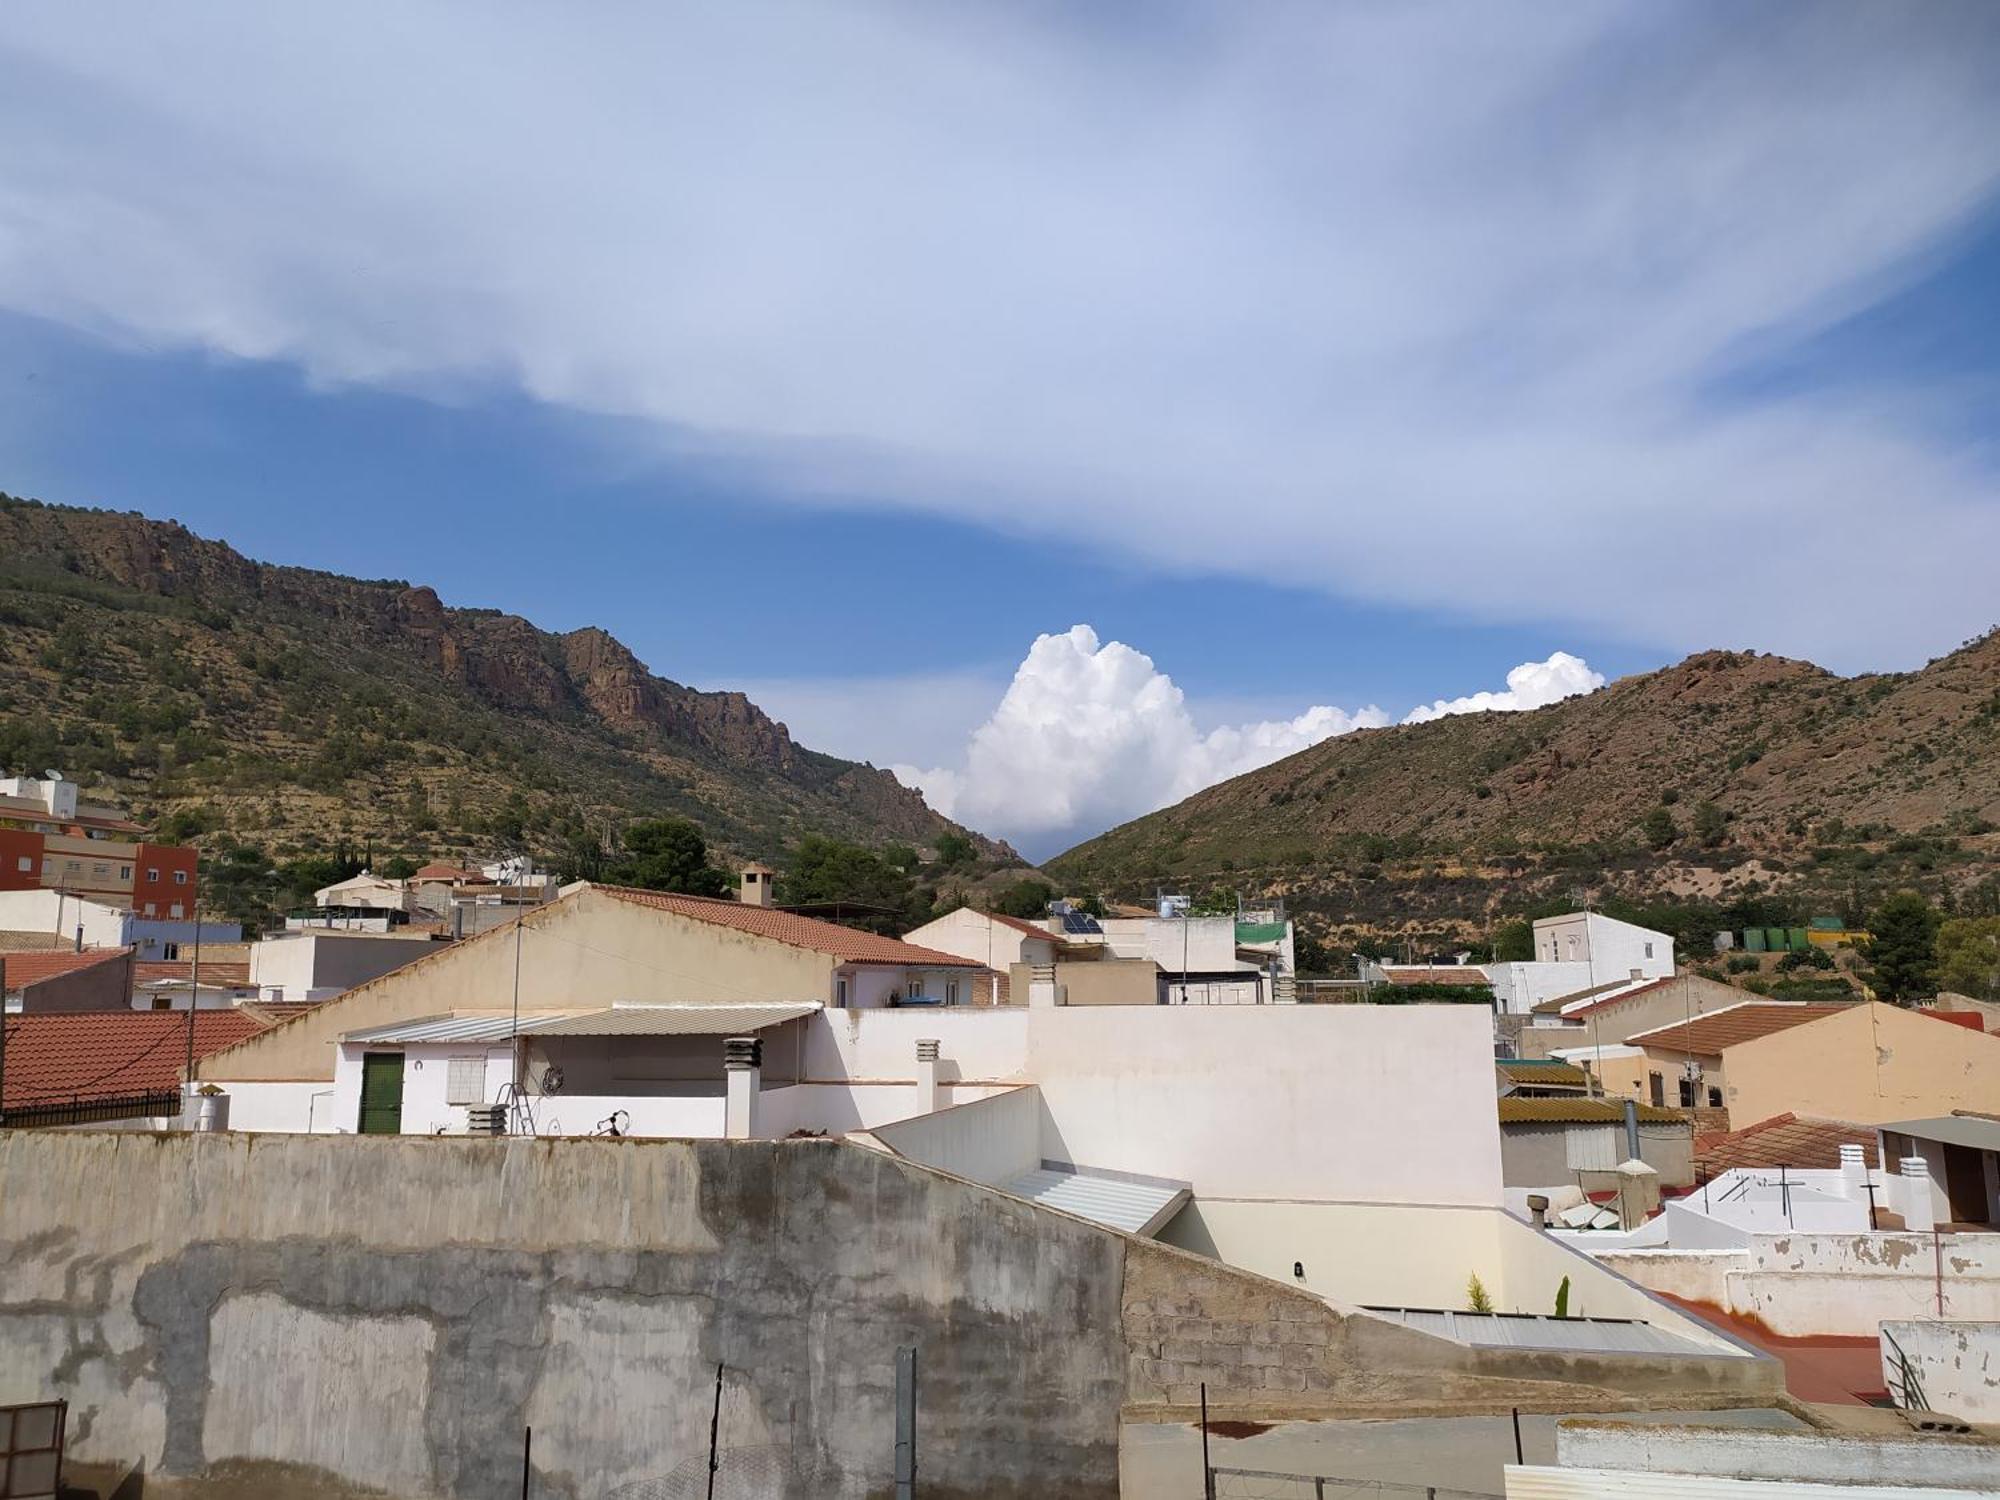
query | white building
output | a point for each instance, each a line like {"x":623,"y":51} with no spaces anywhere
{"x":315,"y":963}
{"x":104,"y":926}
{"x":1576,"y":952}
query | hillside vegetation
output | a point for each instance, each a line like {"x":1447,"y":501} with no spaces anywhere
{"x":1729,"y":779}
{"x":302,"y":712}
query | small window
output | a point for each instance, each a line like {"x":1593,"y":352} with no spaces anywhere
{"x":174,"y":911}
{"x":1649,"y":950}
{"x":73,"y":865}
{"x":152,"y":909}
{"x":1656,"y":1085}
{"x":124,"y":872}
{"x":951,"y":992}
{"x":1715,"y":1098}
{"x":100,"y":871}
{"x":180,"y":877}
{"x":840,"y":992}
{"x":465,"y":1081}
{"x":25,"y":863}
{"x":1687,"y":1093}
{"x":153,"y":875}
{"x":168,"y":951}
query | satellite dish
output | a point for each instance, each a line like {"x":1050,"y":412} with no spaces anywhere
{"x":552,"y":1080}
{"x":53,"y":774}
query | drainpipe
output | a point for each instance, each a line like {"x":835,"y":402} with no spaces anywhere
{"x":927,"y":1079}
{"x":743,"y":1064}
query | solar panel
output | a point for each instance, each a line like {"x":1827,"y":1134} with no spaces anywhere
{"x":1076,"y":921}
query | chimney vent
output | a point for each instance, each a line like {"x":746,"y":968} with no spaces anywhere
{"x":927,"y":1075}
{"x":755,"y":886}
{"x":743,"y":1064}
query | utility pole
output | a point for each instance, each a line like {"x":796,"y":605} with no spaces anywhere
{"x":194,"y":991}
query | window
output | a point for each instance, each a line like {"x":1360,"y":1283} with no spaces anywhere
{"x":73,"y":865}
{"x":124,"y":872}
{"x":1687,"y":1093}
{"x":174,"y":911}
{"x":153,"y":875}
{"x":840,"y":992}
{"x":168,"y":951}
{"x":951,"y":992}
{"x":1649,"y":950}
{"x":180,"y":877}
{"x":1656,"y":1085}
{"x":465,"y":1081}
{"x":1715,"y":1098}
{"x":152,"y":910}
{"x":25,"y":863}
{"x":100,"y":871}
{"x":163,"y":1002}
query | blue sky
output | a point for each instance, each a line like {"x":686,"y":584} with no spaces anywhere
{"x":1336,"y":358}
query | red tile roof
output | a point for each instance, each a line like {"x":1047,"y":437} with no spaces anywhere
{"x":110,"y":1054}
{"x":440,"y":871}
{"x":1030,"y":929}
{"x":1782,"y":1141}
{"x":1706,"y":1036}
{"x":20,"y":969}
{"x":146,"y":970}
{"x":844,"y":943}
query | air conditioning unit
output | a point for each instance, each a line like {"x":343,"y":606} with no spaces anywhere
{"x":486,"y":1119}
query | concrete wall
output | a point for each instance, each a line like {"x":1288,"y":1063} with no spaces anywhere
{"x":312,"y":964}
{"x":269,"y":1314}
{"x":1910,"y":1463}
{"x":1871,"y":1064}
{"x":991,"y":1140}
{"x":1535,"y":1154}
{"x":55,"y":912}
{"x":1519,"y":987}
{"x":1957,"y":1366}
{"x":1113,"y":981}
{"x":972,"y":934}
{"x":102,"y":986}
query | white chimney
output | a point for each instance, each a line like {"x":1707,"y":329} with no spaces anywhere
{"x":754,"y":888}
{"x":743,"y":1066}
{"x":927,"y":1079}
{"x":1853,"y":1172}
{"x":1919,"y":1203}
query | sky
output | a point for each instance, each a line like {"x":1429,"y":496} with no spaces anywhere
{"x":1067,"y":406}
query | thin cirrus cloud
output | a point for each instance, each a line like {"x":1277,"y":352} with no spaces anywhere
{"x":1090,"y":733}
{"x":1433,"y":305}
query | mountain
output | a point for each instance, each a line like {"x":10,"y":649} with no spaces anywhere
{"x":298,"y":708}
{"x":1752,"y":774}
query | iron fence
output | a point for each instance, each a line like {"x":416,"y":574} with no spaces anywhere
{"x":158,"y":1104}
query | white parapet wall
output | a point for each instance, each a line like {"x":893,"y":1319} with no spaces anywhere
{"x":1800,"y":1285}
{"x":1952,"y":1367}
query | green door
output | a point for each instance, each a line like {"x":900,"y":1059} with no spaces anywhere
{"x":381,"y":1093}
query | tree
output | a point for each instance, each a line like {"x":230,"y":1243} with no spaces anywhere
{"x":1968,"y":954}
{"x":1709,"y":824}
{"x":1903,"y":947}
{"x":829,"y":871}
{"x":1659,"y":828}
{"x":667,"y":854}
{"x":397,"y":867}
{"x":1514,"y":942}
{"x":1025,"y":898}
{"x":955,"y":849}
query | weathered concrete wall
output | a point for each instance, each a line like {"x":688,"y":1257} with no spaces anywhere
{"x":990,"y":1140}
{"x":275,"y":1312}
{"x":1916,"y":1462}
{"x":1956,"y":1364}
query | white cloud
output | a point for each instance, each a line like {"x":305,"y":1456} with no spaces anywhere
{"x":1091,"y":734}
{"x":1418,"y":303}
{"x":1533,"y":684}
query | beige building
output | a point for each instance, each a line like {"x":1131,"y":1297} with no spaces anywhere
{"x":600,"y":945}
{"x":1865,"y":1062}
{"x":1611,"y":1014}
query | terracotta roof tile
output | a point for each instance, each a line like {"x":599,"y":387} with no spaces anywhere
{"x":1030,"y":929}
{"x":844,"y":943}
{"x":1782,"y":1141}
{"x":1468,"y":974}
{"x":1706,"y":1036}
{"x":110,"y":1054}
{"x":438,"y":870}
{"x":1515,"y":1111}
{"x":19,"y":969}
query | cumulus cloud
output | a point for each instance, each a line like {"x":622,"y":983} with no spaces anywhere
{"x":1417,"y":303}
{"x":1533,"y":684}
{"x":1089,"y":734}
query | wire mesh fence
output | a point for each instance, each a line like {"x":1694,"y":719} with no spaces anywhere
{"x":763,"y":1473}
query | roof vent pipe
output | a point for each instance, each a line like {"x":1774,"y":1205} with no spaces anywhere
{"x":1632,"y":1131}
{"x":927,"y":1076}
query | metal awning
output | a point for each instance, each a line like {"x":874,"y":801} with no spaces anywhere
{"x":675,"y":1020}
{"x":616,"y":1020}
{"x":1976,"y":1131}
{"x":1137,"y":1205}
{"x":460,"y":1026}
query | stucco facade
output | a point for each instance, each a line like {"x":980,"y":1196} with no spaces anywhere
{"x":1871,"y":1064}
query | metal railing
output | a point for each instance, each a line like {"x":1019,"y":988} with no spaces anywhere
{"x":157,"y":1104}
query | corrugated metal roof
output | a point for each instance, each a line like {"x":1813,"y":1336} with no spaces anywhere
{"x":1115,"y":1202}
{"x":1518,"y":1111}
{"x":676,"y":1020}
{"x":1526,"y":1331}
{"x":463,"y":1026}
{"x":1980,"y":1132}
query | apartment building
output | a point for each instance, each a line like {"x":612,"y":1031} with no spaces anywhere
{"x":52,"y":840}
